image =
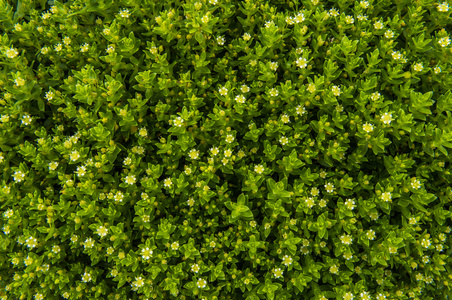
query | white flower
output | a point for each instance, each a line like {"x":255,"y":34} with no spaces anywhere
{"x":364,"y":4}
{"x":425,"y":243}
{"x":346,"y":239}
{"x":245,"y":88}
{"x":84,"y":48}
{"x":195,"y":268}
{"x":387,"y":197}
{"x":444,"y":42}
{"x":240,"y":99}
{"x":309,"y":202}
{"x":364,"y":295}
{"x":418,"y":67}
{"x":274,"y":92}
{"x":443,"y":7}
{"x":19,"y":81}
{"x":130,"y":179}
{"x":110,"y":49}
{"x":300,"y":110}
{"x":389,"y":34}
{"x":329,"y":187}
{"x":124,"y":13}
{"x":283,"y":140}
{"x":4,"y":119}
{"x":368,"y":127}
{"x":349,"y":20}
{"x":301,"y":62}
{"x":58,"y":47}
{"x":415,"y":184}
{"x":205,"y":19}
{"x":227,"y":153}
{"x":273,"y":66}
{"x":81,"y":171}
{"x":67,"y":40}
{"x":229,"y":138}
{"x":102,"y":231}
{"x":167,"y":182}
{"x":259,"y":169}
{"x":178,"y":122}
{"x":11,"y":53}
{"x":334,"y":269}
{"x":56,"y":249}
{"x":9,"y":213}
{"x":26,"y":119}
{"x":31,"y":242}
{"x":298,"y":18}
{"x":269,"y":24}
{"x":74,"y":155}
{"x":146,"y":253}
{"x":220,"y":40}
{"x":287,"y":260}
{"x":49,"y":95}
{"x":278,"y":272}
{"x":139,"y":282}
{"x":86,"y":277}
{"x":19,"y":176}
{"x":106,"y":31}
{"x":191,"y":201}
{"x":370,"y":234}
{"x":246,"y":36}
{"x":348,"y":296}
{"x":202,"y":283}
{"x":214,"y":151}
{"x":350,"y":204}
{"x":143,"y":132}
{"x":285,"y":119}
{"x":375,"y":96}
{"x":386,"y":118}
{"x":311,"y":88}
{"x":378,"y":25}
{"x":223,"y":91}
{"x":89,"y":243}
{"x":437,"y":70}
{"x":333,"y":12}
{"x":336,"y":91}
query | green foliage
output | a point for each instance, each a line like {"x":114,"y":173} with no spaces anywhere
{"x":224,"y":149}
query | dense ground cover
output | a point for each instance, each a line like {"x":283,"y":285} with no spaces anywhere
{"x":225,"y":149}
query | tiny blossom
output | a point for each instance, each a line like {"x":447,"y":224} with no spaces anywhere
{"x":389,"y":34}
{"x":205,"y":19}
{"x":194,"y":154}
{"x":102,"y":231}
{"x":84,"y":48}
{"x":223,"y":91}
{"x":269,"y":24}
{"x":259,"y":169}
{"x":386,"y":118}
{"x":329,"y":187}
{"x":9,"y":213}
{"x":220,"y":40}
{"x":56,"y":249}
{"x":19,"y":176}
{"x":374,"y":215}
{"x":334,"y":269}
{"x":195,"y":268}
{"x":443,"y":7}
{"x":89,"y":243}
{"x":349,"y":20}
{"x":333,"y":12}
{"x":81,"y":171}
{"x":364,"y":295}
{"x":378,"y":25}
{"x":240,"y":99}
{"x":202,"y":283}
{"x":368,"y":127}
{"x":287,"y":260}
{"x":315,"y":191}
{"x":26,"y":120}
{"x":246,"y":36}
{"x":283,"y":140}
{"x":386,"y":196}
{"x":346,"y":239}
{"x":309,"y":202}
{"x":277,"y":272}
{"x":58,"y":47}
{"x":299,"y":18}
{"x":311,"y":88}
{"x":4,"y":118}
{"x":437,"y":70}
{"x":86,"y":277}
{"x":392,"y":250}
{"x":273,"y":92}
{"x":178,"y":122}
{"x":300,"y":110}
{"x":139,"y":282}
{"x":273,"y":66}
{"x":415,"y":184}
{"x":110,"y":49}
{"x":444,"y":42}
{"x":245,"y":88}
{"x":124,"y":13}
{"x":227,"y":153}
{"x":336,"y":91}
{"x":28,"y":261}
{"x":146,"y":253}
{"x":290,"y":20}
{"x":49,"y":95}
{"x":74,"y":155}
{"x":350,"y":204}
{"x":19,"y":81}
{"x":348,"y":296}
{"x":285,"y":118}
{"x":418,"y":67}
{"x":412,"y":221}
{"x":425,"y":243}
{"x":370,"y":234}
{"x":229,"y":138}
{"x":381,"y":296}
{"x":175,"y":246}
{"x":301,"y":62}
{"x":214,"y":151}
{"x":11,"y":53}
{"x":322,"y":203}
{"x":67,"y":40}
